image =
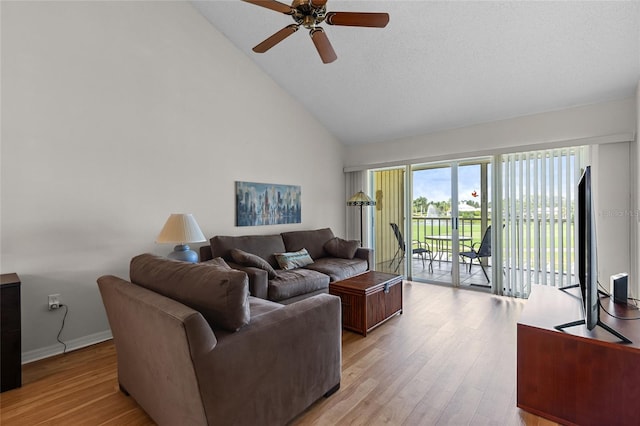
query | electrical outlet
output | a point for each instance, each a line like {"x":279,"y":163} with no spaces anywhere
{"x":54,"y":301}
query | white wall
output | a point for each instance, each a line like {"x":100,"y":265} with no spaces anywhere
{"x":598,"y":121}
{"x":611,"y":169}
{"x":116,"y":114}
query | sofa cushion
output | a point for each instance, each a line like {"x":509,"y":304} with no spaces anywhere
{"x":313,"y":241}
{"x":248,"y":259}
{"x":293,"y":260}
{"x":339,"y":269}
{"x":296,"y":282}
{"x":262,"y":245}
{"x":219,"y":294}
{"x":337,"y":247}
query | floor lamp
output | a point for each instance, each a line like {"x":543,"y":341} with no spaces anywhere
{"x":360,"y":199}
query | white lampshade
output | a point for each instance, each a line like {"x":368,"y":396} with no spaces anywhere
{"x":181,"y":229}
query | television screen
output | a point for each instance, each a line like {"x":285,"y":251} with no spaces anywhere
{"x":587,"y":250}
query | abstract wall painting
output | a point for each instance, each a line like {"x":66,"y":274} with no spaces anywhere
{"x":260,"y":204}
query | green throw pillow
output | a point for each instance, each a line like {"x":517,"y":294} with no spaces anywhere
{"x":293,"y":260}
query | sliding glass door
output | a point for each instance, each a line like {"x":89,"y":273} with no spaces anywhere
{"x":433,"y":221}
{"x":449,"y":217}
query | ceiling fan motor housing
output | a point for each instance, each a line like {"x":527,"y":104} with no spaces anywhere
{"x":308,"y":14}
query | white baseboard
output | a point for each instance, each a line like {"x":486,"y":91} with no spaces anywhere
{"x":72,"y":345}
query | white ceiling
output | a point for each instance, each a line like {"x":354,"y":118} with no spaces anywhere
{"x":445,"y":64}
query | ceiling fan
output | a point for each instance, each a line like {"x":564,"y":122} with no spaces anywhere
{"x":310,"y":14}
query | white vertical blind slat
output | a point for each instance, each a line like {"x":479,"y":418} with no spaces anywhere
{"x":536,"y":217}
{"x":543,"y":209}
{"x":527,"y":217}
{"x":521,"y":222}
{"x":552,"y":217}
{"x":567,"y":209}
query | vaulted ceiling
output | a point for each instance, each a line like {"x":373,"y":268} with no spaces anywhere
{"x":445,"y":64}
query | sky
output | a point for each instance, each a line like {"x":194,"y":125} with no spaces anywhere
{"x":435,"y":184}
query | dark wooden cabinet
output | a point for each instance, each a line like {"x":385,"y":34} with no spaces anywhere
{"x":368,"y":299}
{"x":10,"y":333}
{"x":580,"y":376}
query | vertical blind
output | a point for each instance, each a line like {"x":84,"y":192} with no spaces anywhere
{"x":538,"y":203}
{"x":389,"y":192}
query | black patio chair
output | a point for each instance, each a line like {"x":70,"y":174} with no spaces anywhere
{"x":421,"y":250}
{"x":483,"y":250}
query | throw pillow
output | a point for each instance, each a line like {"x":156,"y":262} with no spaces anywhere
{"x":220,"y":295}
{"x":337,"y":247}
{"x":217,"y":262}
{"x":292,"y":260}
{"x":248,"y":259}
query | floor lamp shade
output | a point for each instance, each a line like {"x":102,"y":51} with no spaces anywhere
{"x":181,"y":229}
{"x":360,"y":199}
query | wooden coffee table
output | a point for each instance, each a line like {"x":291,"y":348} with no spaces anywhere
{"x":368,"y":299}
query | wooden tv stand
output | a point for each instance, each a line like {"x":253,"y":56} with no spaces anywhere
{"x":578,"y":376}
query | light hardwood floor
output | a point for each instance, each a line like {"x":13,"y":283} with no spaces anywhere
{"x":449,"y":359}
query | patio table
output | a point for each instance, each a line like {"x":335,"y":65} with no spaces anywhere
{"x":442,"y":243}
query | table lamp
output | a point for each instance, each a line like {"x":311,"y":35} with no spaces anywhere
{"x":181,"y":229}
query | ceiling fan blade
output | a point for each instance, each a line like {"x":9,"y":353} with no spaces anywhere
{"x":276,"y":38}
{"x":318,"y":3}
{"x":358,"y":19}
{"x":327,"y":54}
{"x":273,"y":5}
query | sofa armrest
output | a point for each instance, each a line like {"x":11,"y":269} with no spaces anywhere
{"x":258,"y":279}
{"x":156,"y":339}
{"x":366,"y":254}
{"x":285,"y":359}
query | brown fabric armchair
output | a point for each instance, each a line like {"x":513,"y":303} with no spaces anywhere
{"x":184,"y":369}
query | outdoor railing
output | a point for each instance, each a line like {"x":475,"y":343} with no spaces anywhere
{"x":424,"y":227}
{"x":470,"y":231}
{"x":441,"y":226}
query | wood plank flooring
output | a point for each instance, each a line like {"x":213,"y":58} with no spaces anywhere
{"x":449,"y":359}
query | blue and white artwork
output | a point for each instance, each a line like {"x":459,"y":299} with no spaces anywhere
{"x":267,"y":204}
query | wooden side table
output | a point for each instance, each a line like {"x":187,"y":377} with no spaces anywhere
{"x":368,"y":299}
{"x":10,"y":333}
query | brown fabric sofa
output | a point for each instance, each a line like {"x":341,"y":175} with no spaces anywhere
{"x":291,"y":285}
{"x":181,"y":360}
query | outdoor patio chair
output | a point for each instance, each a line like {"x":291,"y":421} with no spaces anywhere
{"x":484,"y":250}
{"x":421,"y":250}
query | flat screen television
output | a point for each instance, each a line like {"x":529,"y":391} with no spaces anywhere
{"x":588,"y":260}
